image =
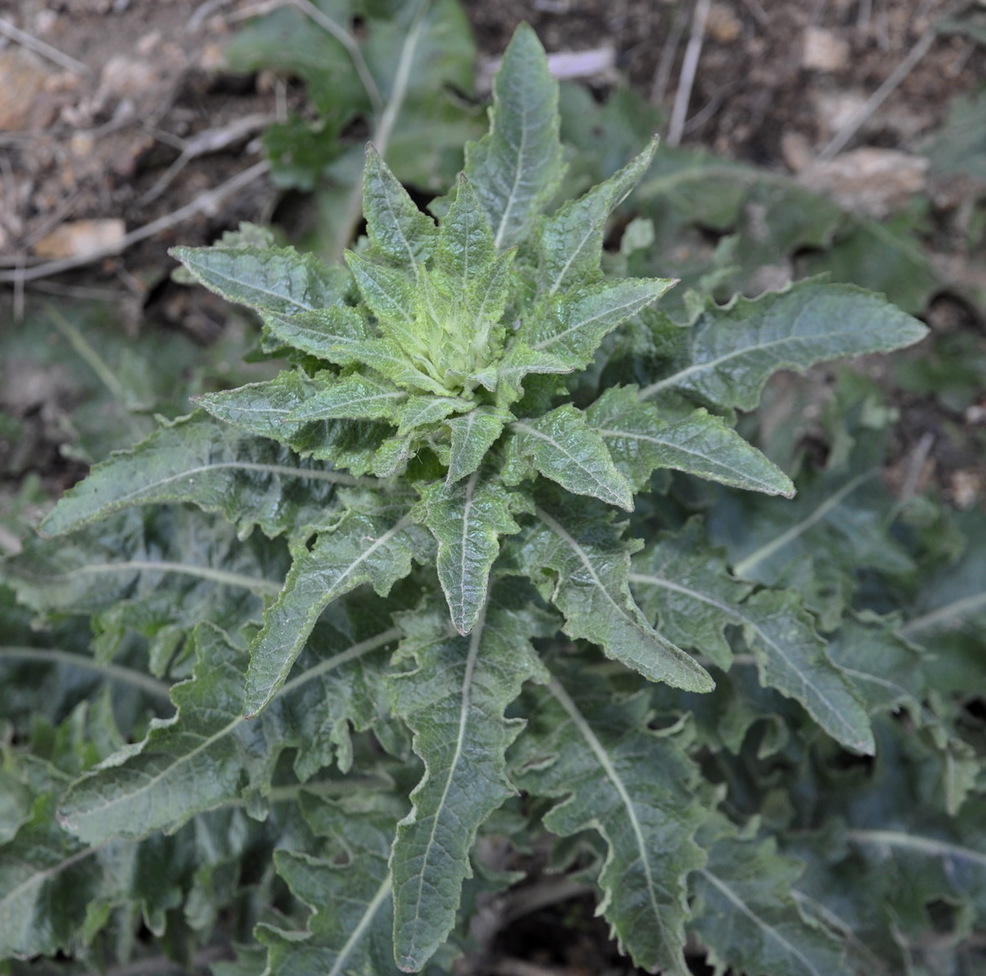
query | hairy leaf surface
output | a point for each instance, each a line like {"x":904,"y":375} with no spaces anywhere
{"x":747,"y":916}
{"x":791,"y":656}
{"x":516,"y":167}
{"x":467,"y":520}
{"x":361,"y":549}
{"x":454,"y":701}
{"x":732,"y":351}
{"x":587,"y":578}
{"x":592,"y":750}
{"x":276,"y":279}
{"x":563,"y":447}
{"x":641,"y":439}
{"x":250,"y":480}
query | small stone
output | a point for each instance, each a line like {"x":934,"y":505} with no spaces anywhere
{"x":77,"y":238}
{"x":875,"y":182}
{"x":722,"y":25}
{"x":824,"y":50}
{"x":24,"y":102}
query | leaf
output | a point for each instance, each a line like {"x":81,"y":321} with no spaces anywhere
{"x":570,"y":241}
{"x":790,"y":655}
{"x":454,"y":701}
{"x":569,"y":327}
{"x":398,"y":230}
{"x":563,"y":447}
{"x":592,"y":749}
{"x":347,"y":887}
{"x":337,"y":334}
{"x":360,"y":549}
{"x":249,"y":480}
{"x":517,"y":165}
{"x":275,"y":279}
{"x":732,"y":351}
{"x":640,"y":440}
{"x":467,"y":520}
{"x":208,"y":755}
{"x":472,"y":436}
{"x":589,"y":567}
{"x":354,"y":396}
{"x":682,"y":584}
{"x":748,"y":919}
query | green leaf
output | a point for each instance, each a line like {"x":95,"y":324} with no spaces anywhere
{"x":347,"y":887}
{"x":274,"y":279}
{"x":563,"y":447}
{"x":360,"y":549}
{"x":591,"y":747}
{"x":516,"y":167}
{"x":588,"y":580}
{"x":208,"y":755}
{"x":399,"y":232}
{"x":732,"y":351}
{"x":472,"y":436}
{"x":747,"y":918}
{"x":790,"y":655}
{"x":569,"y":327}
{"x":338,"y":333}
{"x":354,"y":396}
{"x":570,"y":241}
{"x":640,"y":439}
{"x":249,"y":480}
{"x":453,"y":700}
{"x":467,"y":520}
{"x":683,"y":585}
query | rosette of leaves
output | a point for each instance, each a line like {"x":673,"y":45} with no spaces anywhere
{"x":460,"y":458}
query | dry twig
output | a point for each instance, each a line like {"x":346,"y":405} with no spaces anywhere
{"x":689,"y":68}
{"x":39,"y":47}
{"x":852,"y":125}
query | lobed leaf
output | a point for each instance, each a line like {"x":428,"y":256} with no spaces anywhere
{"x":568,"y":327}
{"x":640,"y":439}
{"x":472,"y":436}
{"x":453,"y":700}
{"x":563,"y":447}
{"x":359,"y":549}
{"x":589,"y":567}
{"x":398,"y":231}
{"x":748,"y":918}
{"x":208,"y":755}
{"x":249,"y":480}
{"x":732,"y":351}
{"x":790,"y":654}
{"x":348,"y":889}
{"x":467,"y":520}
{"x":570,"y":242}
{"x":517,"y":165}
{"x":355,"y":396}
{"x":275,"y":279}
{"x":591,"y":747}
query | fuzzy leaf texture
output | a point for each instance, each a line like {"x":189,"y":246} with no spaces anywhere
{"x":685,"y":589}
{"x":590,"y":749}
{"x":732,"y":351}
{"x":249,"y":480}
{"x":453,"y":699}
{"x":208,"y":754}
{"x":517,"y":166}
{"x":361,"y":549}
{"x":583,"y":564}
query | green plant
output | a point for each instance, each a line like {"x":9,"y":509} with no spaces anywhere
{"x":452,"y":592}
